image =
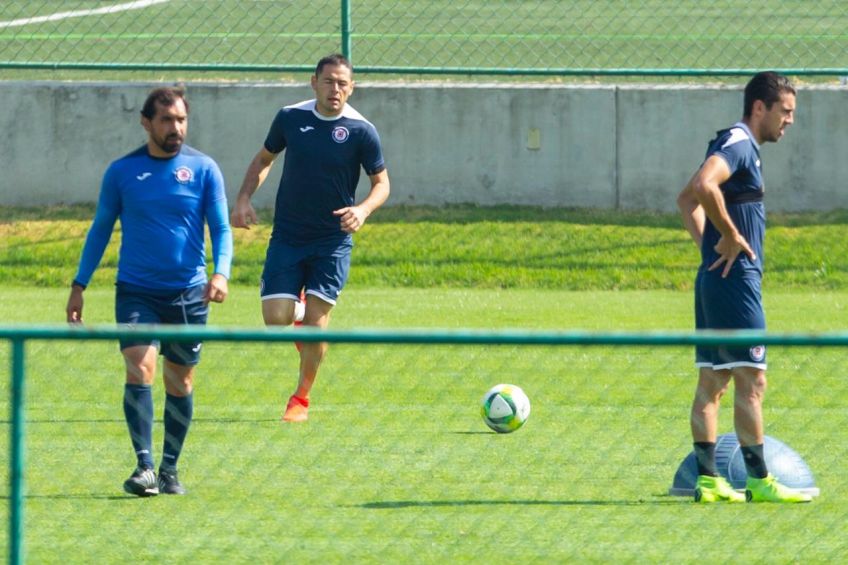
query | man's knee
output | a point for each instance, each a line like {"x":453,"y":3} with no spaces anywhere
{"x":278,"y":312}
{"x":711,"y":383}
{"x":140,"y":362}
{"x":317,"y":312}
{"x":749,"y":378}
{"x":179,"y":379}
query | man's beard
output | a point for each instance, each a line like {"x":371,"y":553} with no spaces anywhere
{"x":171,"y":144}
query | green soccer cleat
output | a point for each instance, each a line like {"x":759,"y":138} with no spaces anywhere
{"x":716,"y":489}
{"x":769,"y":490}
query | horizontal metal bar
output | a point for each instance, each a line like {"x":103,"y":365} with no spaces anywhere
{"x":824,"y":71}
{"x":491,"y":71}
{"x":83,"y":65}
{"x":422,"y":336}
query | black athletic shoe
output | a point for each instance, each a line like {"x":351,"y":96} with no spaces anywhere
{"x":169,"y":483}
{"x":142,"y":483}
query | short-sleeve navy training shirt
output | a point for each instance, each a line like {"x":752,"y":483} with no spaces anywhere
{"x":743,"y":197}
{"x":321,"y":169}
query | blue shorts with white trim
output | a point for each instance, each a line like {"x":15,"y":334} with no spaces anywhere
{"x":139,"y":305}
{"x":732,"y":303}
{"x":320,"y":268}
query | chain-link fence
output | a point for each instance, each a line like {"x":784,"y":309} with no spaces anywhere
{"x":395,"y":464}
{"x":533,"y":37}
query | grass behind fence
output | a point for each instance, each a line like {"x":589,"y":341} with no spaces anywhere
{"x":472,"y":247}
{"x":395,"y":464}
{"x":437,"y":34}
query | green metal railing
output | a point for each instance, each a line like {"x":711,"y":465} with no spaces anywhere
{"x":19,"y":335}
{"x":438,"y":37}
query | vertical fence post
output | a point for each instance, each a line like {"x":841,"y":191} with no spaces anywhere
{"x":16,"y":462}
{"x":346,"y":42}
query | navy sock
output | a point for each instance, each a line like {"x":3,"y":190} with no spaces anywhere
{"x":178,"y":414}
{"x":705,"y":457}
{"x":138,"y":410}
{"x":755,"y":462}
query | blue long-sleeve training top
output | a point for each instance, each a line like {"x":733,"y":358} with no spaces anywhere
{"x":163,"y":205}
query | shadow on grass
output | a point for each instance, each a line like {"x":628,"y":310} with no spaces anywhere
{"x":68,"y":421}
{"x":155,"y":421}
{"x":468,"y":213}
{"x":663,"y":499}
{"x":90,"y":496}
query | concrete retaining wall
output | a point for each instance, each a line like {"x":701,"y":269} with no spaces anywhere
{"x":629,"y":147}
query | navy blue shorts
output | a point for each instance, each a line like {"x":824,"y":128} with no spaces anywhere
{"x":139,"y":305}
{"x":733,"y":303}
{"x":319,"y":268}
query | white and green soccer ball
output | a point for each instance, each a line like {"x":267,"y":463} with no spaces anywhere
{"x":505,"y":408}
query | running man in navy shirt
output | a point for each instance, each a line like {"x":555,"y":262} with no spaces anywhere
{"x":164,"y":193}
{"x":722,"y":208}
{"x":327,"y":143}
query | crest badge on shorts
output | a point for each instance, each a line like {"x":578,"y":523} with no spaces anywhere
{"x":758,"y":353}
{"x":340,"y":134}
{"x":183,"y":175}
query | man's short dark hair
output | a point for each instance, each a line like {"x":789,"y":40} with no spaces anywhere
{"x":767,"y":86}
{"x":165,"y":96}
{"x":336,"y":60}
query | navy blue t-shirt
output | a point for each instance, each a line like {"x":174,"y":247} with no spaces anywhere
{"x":321,"y":169}
{"x":743,"y":197}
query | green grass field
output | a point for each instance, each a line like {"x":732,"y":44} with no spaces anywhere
{"x":471,"y":247}
{"x":439,"y":34}
{"x":395,"y":464}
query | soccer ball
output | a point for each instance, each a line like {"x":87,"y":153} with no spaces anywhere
{"x":505,"y":408}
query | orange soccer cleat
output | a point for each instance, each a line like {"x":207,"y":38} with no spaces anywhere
{"x":297,"y":409}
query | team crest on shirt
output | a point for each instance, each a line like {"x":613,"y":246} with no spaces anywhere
{"x":340,"y":134}
{"x":758,"y":353}
{"x":183,"y":175}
